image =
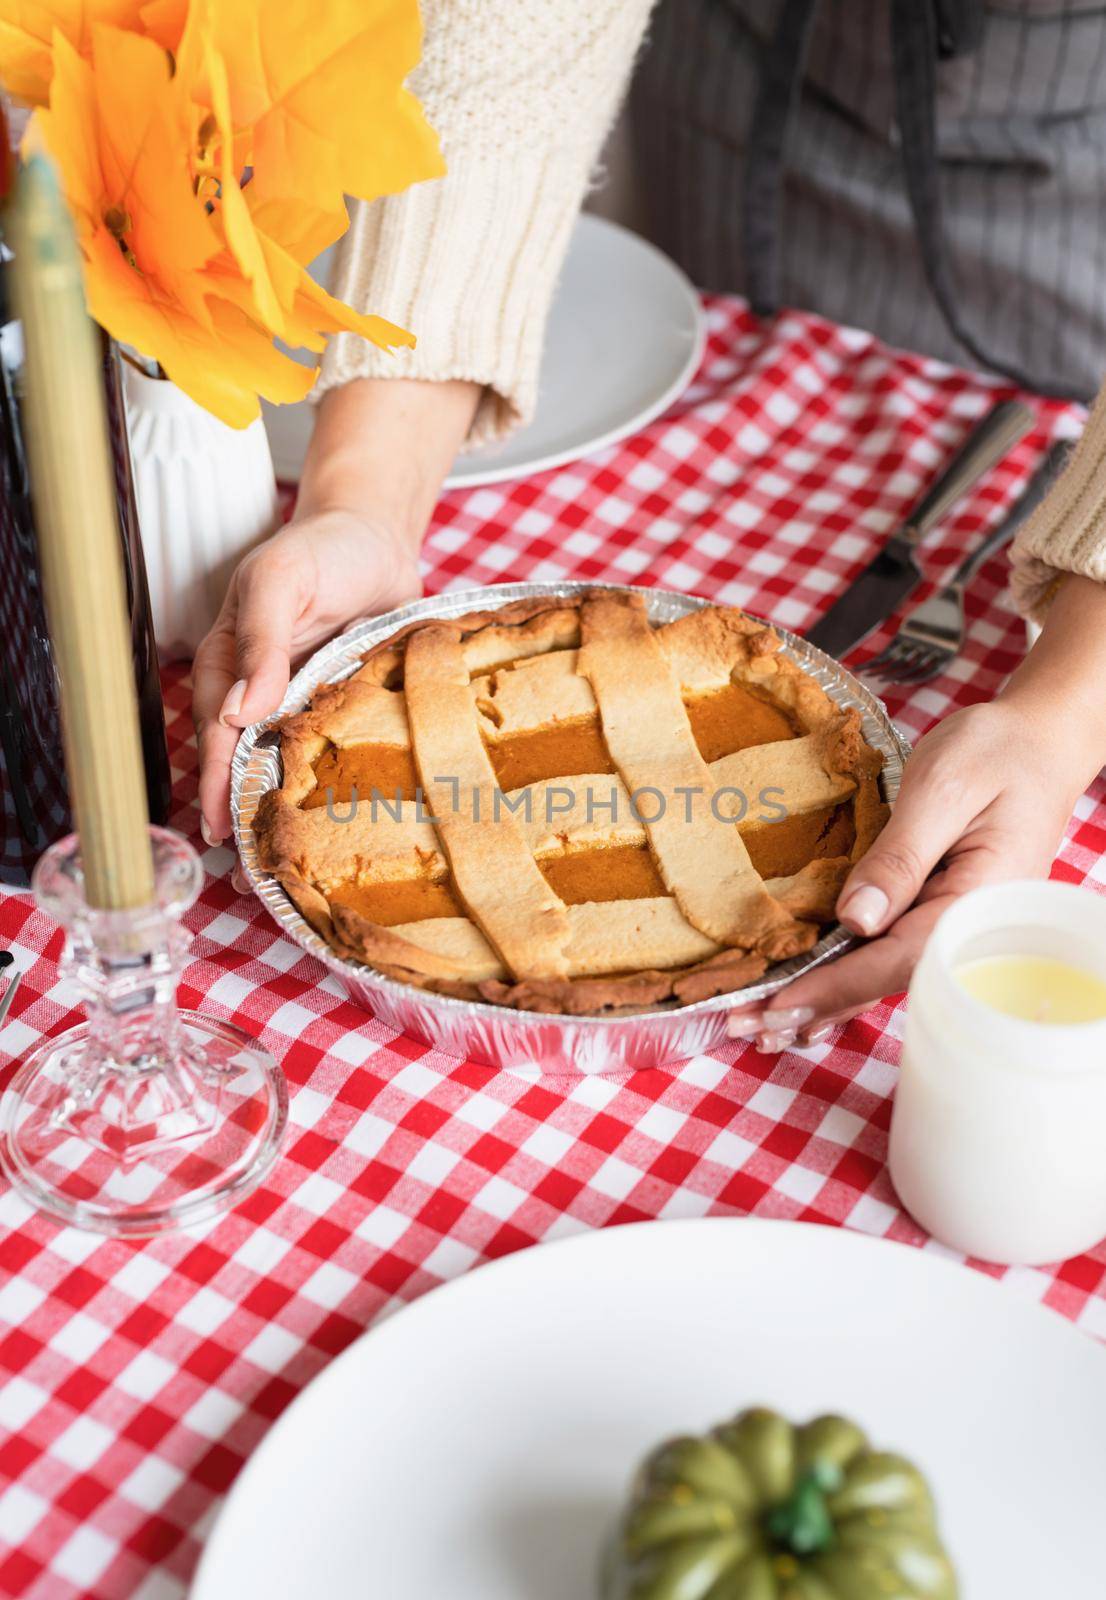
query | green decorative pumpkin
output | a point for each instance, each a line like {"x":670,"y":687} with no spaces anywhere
{"x":759,"y":1509}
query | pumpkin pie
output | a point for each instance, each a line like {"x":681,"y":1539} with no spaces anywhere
{"x":561,"y":807}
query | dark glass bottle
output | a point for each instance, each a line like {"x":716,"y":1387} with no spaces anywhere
{"x":34,"y":798}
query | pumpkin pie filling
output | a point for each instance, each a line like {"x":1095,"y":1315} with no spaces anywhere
{"x":613,"y":872}
{"x":561,"y":751}
{"x":735,"y":718}
{"x":778,"y":849}
{"x":388,"y":769}
{"x":403,"y":900}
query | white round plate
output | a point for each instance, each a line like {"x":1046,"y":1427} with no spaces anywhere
{"x":624,"y":337}
{"x":476,"y":1445}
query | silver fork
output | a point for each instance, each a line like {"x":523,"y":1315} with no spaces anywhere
{"x":933,"y":635}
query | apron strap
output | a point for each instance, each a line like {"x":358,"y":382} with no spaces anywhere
{"x":922,"y":32}
{"x":915,"y":44}
{"x":781,"y":77}
{"x":959,"y":27}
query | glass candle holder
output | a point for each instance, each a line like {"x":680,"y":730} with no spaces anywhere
{"x":145,"y":1117}
{"x":998,"y":1131}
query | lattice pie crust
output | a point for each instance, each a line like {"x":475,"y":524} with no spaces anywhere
{"x":562,"y":808}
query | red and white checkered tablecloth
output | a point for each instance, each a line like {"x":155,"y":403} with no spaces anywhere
{"x":135,"y":1379}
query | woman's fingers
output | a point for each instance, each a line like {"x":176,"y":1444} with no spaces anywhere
{"x":802,"y":1038}
{"x":216,"y":748}
{"x":268,"y":607}
{"x":968,"y":801}
{"x":851,"y":984}
{"x":879,"y":890}
{"x":212,"y":676}
{"x":930,"y":815}
{"x":824,"y":1026}
{"x":882,"y":966}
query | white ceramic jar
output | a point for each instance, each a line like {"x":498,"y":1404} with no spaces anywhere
{"x":206,"y":494}
{"x":998,"y":1132}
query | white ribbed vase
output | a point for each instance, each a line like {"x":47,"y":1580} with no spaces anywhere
{"x":206,"y":494}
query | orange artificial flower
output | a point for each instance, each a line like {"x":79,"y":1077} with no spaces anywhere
{"x":27,"y":29}
{"x":205,"y":150}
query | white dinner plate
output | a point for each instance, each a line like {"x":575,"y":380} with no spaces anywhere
{"x":624,"y":338}
{"x":476,"y":1445}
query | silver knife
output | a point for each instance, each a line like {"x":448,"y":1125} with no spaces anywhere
{"x":885,"y":583}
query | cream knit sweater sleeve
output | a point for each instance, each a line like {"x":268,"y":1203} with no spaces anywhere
{"x":521,"y":93}
{"x":1067,"y":532}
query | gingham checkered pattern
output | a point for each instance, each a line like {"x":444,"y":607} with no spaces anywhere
{"x":138,"y":1377}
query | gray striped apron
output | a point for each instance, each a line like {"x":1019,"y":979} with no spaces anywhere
{"x":934,"y":170}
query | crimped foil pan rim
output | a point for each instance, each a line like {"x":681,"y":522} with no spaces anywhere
{"x":253,"y":769}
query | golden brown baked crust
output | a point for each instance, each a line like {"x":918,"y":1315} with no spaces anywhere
{"x":504,"y":881}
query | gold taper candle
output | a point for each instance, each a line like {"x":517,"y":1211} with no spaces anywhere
{"x":82,"y":565}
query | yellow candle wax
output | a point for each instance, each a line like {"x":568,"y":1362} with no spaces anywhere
{"x":82,"y":563}
{"x":1035,"y":988}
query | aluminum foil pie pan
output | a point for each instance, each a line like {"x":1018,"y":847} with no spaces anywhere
{"x":501,"y":1037}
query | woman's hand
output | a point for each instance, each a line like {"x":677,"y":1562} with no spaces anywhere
{"x":286,"y":598}
{"x":986,"y":796}
{"x":978,"y":798}
{"x":379,"y":453}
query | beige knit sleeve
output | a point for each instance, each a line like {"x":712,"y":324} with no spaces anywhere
{"x":521,"y":93}
{"x":1067,"y":532}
